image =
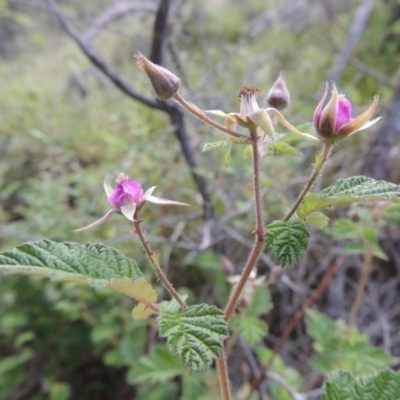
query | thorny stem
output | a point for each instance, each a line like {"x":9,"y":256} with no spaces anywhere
{"x":367,"y":267}
{"x":251,"y":262}
{"x":154,"y":262}
{"x":317,"y":169}
{"x":259,"y":231}
{"x":223,"y":376}
{"x":200,"y":114}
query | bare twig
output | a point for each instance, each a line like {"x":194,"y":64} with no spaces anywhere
{"x":111,"y":72}
{"x":112,"y":14}
{"x":356,"y":30}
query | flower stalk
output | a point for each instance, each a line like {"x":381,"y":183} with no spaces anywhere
{"x":317,"y":169}
{"x":191,"y":108}
{"x":259,"y":233}
{"x":152,"y":255}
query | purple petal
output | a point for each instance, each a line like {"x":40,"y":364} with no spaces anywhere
{"x":134,"y":189}
{"x":343,"y":115}
{"x":126,"y":192}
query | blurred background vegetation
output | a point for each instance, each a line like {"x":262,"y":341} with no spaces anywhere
{"x":65,"y":126}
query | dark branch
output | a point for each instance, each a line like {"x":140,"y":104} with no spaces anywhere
{"x":99,"y":61}
{"x":159,"y":32}
{"x":112,"y":14}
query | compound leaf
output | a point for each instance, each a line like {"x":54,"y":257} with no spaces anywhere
{"x":288,"y":240}
{"x":195,"y":334}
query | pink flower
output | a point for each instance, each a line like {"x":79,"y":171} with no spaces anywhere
{"x":126,"y":195}
{"x":127,"y":198}
{"x":334,"y":122}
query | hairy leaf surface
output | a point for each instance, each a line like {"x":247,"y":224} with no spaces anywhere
{"x":195,"y":334}
{"x":349,"y":190}
{"x":94,"y":264}
{"x":342,"y":385}
{"x":288,"y":240}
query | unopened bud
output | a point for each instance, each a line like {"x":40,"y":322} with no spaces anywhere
{"x":279,"y":95}
{"x":164,"y":83}
{"x":227,"y":266}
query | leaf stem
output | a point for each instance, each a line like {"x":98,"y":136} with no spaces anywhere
{"x":317,"y":169}
{"x":203,"y":117}
{"x":156,"y":266}
{"x":223,"y":376}
{"x":259,"y":231}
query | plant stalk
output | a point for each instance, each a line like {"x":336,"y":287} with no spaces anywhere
{"x":317,"y":169}
{"x":259,"y":231}
{"x":154,"y":262}
{"x":251,"y":262}
{"x":203,"y":117}
{"x":223,"y":376}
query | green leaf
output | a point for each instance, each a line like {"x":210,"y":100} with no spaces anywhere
{"x":194,"y":386}
{"x":168,"y":390}
{"x":228,"y":155}
{"x":346,"y":229}
{"x":339,"y":347}
{"x":260,"y":304}
{"x":212,"y":146}
{"x":250,"y":328}
{"x":247,"y":152}
{"x":284,"y":148}
{"x":288,"y":240}
{"x":353,"y":248}
{"x":94,"y":264}
{"x":350,"y":190}
{"x":195,"y":334}
{"x":141,"y":311}
{"x":59,"y":391}
{"x":318,"y":220}
{"x":10,"y":363}
{"x":321,"y":328}
{"x":343,"y":386}
{"x":161,"y":366}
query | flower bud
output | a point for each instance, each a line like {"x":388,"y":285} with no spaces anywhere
{"x":334,"y":121}
{"x":164,"y":83}
{"x":279,"y":95}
